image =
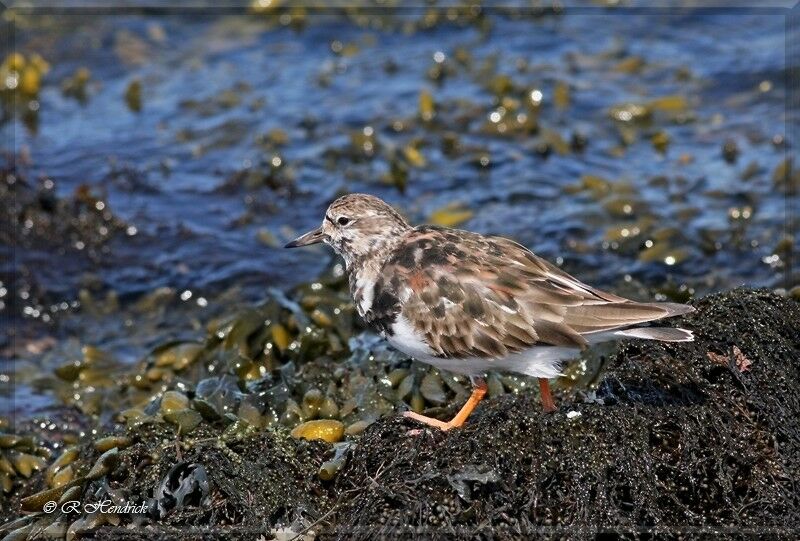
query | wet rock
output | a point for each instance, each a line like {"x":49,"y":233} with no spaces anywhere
{"x":325,"y":429}
{"x":74,"y":229}
{"x":730,"y":151}
{"x":331,"y":467}
{"x":20,"y":458}
{"x":105,"y":464}
{"x":185,"y":419}
{"x":357,"y":428}
{"x":75,"y":85}
{"x":186,"y":484}
{"x":312,"y":401}
{"x":173,"y":401}
{"x":133,"y":96}
{"x":668,"y":437}
{"x":217,"y":396}
{"x":464,"y":480}
{"x":660,"y":141}
{"x":427,"y":107}
{"x":36,"y":501}
{"x":450,"y":215}
{"x":431,"y":388}
{"x":650,"y":429}
{"x":109,"y":442}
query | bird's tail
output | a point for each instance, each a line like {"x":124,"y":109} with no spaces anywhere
{"x":663,"y":334}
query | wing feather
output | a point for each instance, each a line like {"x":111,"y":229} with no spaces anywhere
{"x":476,"y":296}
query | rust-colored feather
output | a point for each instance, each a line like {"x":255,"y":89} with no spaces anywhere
{"x":500,"y":298}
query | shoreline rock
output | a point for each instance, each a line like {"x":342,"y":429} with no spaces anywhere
{"x":673,"y":442}
{"x":690,"y":439}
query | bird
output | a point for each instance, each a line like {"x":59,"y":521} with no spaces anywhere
{"x":472,"y":303}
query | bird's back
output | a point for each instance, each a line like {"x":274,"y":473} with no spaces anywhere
{"x":468,"y":295}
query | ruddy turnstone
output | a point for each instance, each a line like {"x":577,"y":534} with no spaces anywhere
{"x":471,"y":303}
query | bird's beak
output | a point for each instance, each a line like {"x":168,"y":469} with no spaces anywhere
{"x":312,"y":237}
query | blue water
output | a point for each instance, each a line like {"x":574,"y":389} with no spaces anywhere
{"x":164,"y":168}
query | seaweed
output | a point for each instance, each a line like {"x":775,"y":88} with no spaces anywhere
{"x":670,"y":442}
{"x":696,"y":439}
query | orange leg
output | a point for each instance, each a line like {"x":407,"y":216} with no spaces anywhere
{"x":478,"y":391}
{"x":547,"y":398}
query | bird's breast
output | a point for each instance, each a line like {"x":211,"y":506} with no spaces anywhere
{"x":375,"y":300}
{"x":403,"y":336}
{"x":363,"y":294}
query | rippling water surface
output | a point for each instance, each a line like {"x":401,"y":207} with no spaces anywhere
{"x":632,"y":147}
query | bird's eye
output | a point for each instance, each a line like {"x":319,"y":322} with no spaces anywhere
{"x":343,"y":220}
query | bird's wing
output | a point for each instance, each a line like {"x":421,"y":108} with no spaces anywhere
{"x":476,"y":296}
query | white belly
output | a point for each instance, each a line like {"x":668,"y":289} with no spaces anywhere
{"x":538,"y":361}
{"x":408,"y":340}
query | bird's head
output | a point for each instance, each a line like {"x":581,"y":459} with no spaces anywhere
{"x":357,"y":226}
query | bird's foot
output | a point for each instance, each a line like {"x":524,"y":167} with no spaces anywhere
{"x":430,"y":421}
{"x":478,"y":392}
{"x":548,"y":405}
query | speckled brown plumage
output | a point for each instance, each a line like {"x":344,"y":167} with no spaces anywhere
{"x":472,"y":295}
{"x":471,"y":303}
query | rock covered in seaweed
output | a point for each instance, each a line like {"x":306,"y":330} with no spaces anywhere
{"x":670,"y":441}
{"x":699,"y":435}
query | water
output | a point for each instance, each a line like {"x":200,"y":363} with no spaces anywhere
{"x":216,"y":87}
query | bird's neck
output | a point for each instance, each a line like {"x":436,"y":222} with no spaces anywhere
{"x":374,"y":252}
{"x":362,"y":277}
{"x":365,"y":269}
